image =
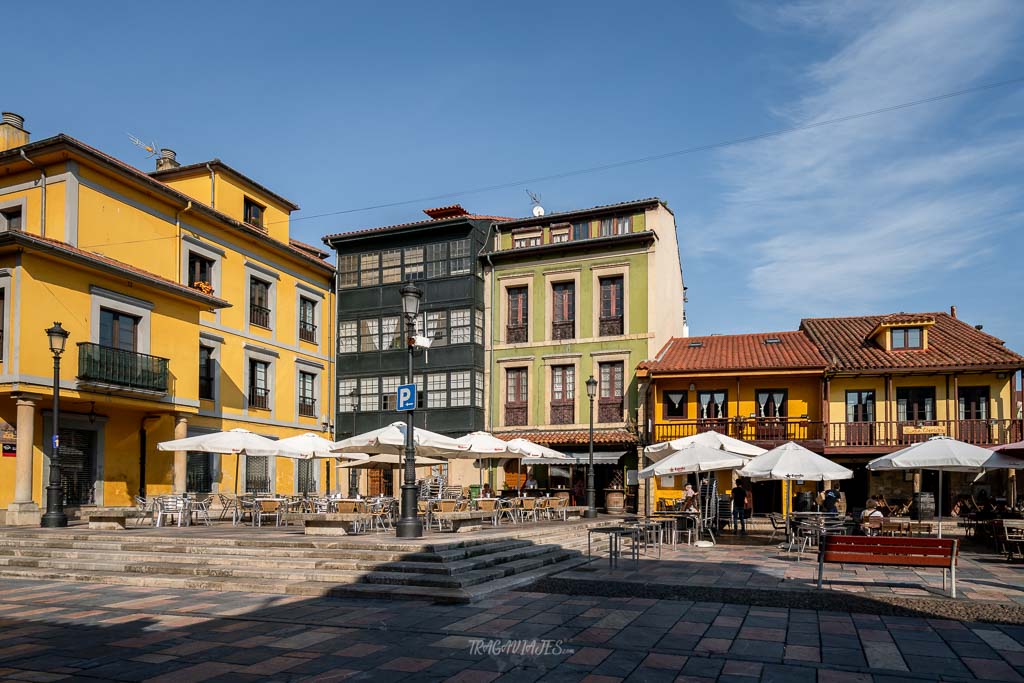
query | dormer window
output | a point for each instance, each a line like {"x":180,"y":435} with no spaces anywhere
{"x":906,"y":338}
{"x":253,"y":213}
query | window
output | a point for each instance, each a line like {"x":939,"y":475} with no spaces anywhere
{"x":414,"y":263}
{"x":478,"y":326}
{"x":973,"y":403}
{"x":437,"y":326}
{"x":206,"y":367}
{"x":118,"y":330}
{"x":369,"y":335}
{"x":581,"y":230}
{"x":563,"y":394}
{"x":389,"y":392}
{"x":305,"y":474}
{"x":259,"y":384}
{"x":460,"y":258}
{"x":563,"y":312}
{"x":623,"y":225}
{"x":607,"y":227}
{"x":307,"y":394}
{"x":437,"y":390}
{"x":533,"y":240}
{"x":906,"y":337}
{"x":348,"y":397}
{"x":257,"y":474}
{"x":713,"y":405}
{"x":421,"y":392}
{"x":516,"y":396}
{"x":518,"y":308}
{"x":198,"y":472}
{"x":771,"y":402}
{"x":259,"y":302}
{"x":369,"y":269}
{"x":369,"y":393}
{"x":915,"y":403}
{"x":348,"y":271}
{"x":200,"y":269}
{"x":860,"y":406}
{"x":347,"y":336}
{"x":461,"y":332}
{"x":391,"y":333}
{"x":559,"y":236}
{"x":610,"y":391}
{"x":673,"y":404}
{"x":478,"y":389}
{"x":460,"y":389}
{"x":611,"y":322}
{"x":253,"y":212}
{"x":307,"y":320}
{"x":437,"y":260}
{"x":10,"y":219}
{"x":391,"y":266}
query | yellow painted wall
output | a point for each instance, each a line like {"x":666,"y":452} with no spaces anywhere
{"x":802,"y":394}
{"x":230,"y":197}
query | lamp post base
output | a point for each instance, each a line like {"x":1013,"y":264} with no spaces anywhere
{"x":589,"y":513}
{"x":409,"y":525}
{"x":54,"y":517}
{"x":409,"y":528}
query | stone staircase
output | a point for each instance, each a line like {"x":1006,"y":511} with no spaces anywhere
{"x":441,"y":567}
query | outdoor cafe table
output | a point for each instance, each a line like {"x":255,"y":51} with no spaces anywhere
{"x":615,"y":535}
{"x":682,"y":521}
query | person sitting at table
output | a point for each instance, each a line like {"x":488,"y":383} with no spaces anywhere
{"x":871,"y":518}
{"x":531,"y":483}
{"x":688,"y":492}
{"x":831,"y":499}
{"x":688,"y":504}
{"x":486,"y":491}
{"x":579,"y":492}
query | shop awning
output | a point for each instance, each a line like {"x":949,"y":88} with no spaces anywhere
{"x":600,"y":457}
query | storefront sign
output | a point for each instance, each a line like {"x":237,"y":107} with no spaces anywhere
{"x":926,"y":429}
{"x":10,"y":450}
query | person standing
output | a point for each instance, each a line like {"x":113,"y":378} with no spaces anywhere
{"x":739,"y":517}
{"x":831,"y":499}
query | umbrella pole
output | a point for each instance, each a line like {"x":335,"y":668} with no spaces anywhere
{"x":938,"y":504}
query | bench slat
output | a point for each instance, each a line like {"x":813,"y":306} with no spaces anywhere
{"x":891,"y":560}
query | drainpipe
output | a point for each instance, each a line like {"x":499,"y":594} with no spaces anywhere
{"x":213,"y":194}
{"x":42,"y":185}
{"x":490,"y":363}
{"x":177,"y":225}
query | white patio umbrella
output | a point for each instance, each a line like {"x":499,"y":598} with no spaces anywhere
{"x":485,"y":446}
{"x":392,"y":460}
{"x":695,"y":457}
{"x":231,"y":441}
{"x":711,"y":439}
{"x":792,"y":462}
{"x":538,"y":454}
{"x":391,"y":440}
{"x":944,"y":454}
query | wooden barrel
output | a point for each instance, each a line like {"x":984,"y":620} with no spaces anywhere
{"x":615,"y":501}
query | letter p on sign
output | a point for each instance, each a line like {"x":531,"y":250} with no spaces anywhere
{"x":406,"y":397}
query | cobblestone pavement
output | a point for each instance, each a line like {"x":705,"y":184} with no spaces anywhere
{"x":88,"y":632}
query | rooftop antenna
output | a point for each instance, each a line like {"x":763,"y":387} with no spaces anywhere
{"x":538,"y":210}
{"x":151,"y":149}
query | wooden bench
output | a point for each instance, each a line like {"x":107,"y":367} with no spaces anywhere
{"x":329,"y":523}
{"x":1013,"y":537}
{"x":890,"y":552}
{"x":466,"y":520}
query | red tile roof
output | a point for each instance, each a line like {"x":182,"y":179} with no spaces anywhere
{"x":952,"y":343}
{"x":792,"y":351}
{"x":415,"y":224}
{"x":450,"y":211}
{"x":574,"y":437}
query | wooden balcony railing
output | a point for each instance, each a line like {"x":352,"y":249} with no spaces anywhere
{"x":563,"y":413}
{"x":609,"y":410}
{"x":515,"y":415}
{"x":259,"y":398}
{"x":107,"y":365}
{"x":759,"y":430}
{"x":610,"y":326}
{"x":565,"y":329}
{"x":898,"y":434}
{"x":515,"y":334}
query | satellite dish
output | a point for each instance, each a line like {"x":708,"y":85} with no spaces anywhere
{"x":538,"y":210}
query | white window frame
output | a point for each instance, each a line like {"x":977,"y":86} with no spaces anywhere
{"x":464,"y":380}
{"x":465,"y":329}
{"x":354,"y":337}
{"x":437,"y":385}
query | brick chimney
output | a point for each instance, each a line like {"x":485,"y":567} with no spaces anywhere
{"x":12,"y":131}
{"x":952,"y":312}
{"x":168,"y":159}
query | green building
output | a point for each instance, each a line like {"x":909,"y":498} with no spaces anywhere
{"x":569,"y":296}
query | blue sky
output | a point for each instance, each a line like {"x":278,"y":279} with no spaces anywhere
{"x":342,"y":105}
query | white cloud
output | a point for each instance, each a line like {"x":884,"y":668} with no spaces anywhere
{"x":858,"y":215}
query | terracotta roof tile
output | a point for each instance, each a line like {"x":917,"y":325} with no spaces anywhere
{"x":574,"y":437}
{"x":951,"y":343}
{"x":413,"y":224}
{"x":793,"y":350}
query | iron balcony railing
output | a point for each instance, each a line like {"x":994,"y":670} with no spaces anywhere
{"x":107,"y":365}
{"x":515,"y":334}
{"x":307,"y":332}
{"x":563,"y":330}
{"x":610,"y":326}
{"x":259,"y":398}
{"x":307,"y":407}
{"x":259,"y":315}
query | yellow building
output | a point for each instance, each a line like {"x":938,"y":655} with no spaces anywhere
{"x":765,"y":388}
{"x":189,"y":309}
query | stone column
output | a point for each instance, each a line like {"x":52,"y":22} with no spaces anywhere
{"x":24,"y":511}
{"x":180,"y":457}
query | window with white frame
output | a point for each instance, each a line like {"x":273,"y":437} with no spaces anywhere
{"x":369,"y":269}
{"x":437,"y":390}
{"x":478,"y":389}
{"x":437,"y":260}
{"x":348,"y":271}
{"x":307,"y":394}
{"x":348,"y":336}
{"x":623,"y":225}
{"x":388,"y":392}
{"x":460,"y":389}
{"x":348,"y":397}
{"x":391,"y":333}
{"x":437,"y":327}
{"x":391,"y":266}
{"x":478,"y":326}
{"x":559,"y":236}
{"x":369,"y":335}
{"x":461,"y":331}
{"x":460,"y":259}
{"x":414,"y":263}
{"x":369,"y":393}
{"x":421,"y":392}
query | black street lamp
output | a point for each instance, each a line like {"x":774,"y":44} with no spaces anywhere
{"x":353,"y":491}
{"x":410,"y":526}
{"x":591,"y":510}
{"x":55,"y":517}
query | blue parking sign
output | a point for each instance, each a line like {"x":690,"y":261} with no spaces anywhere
{"x":406,"y":397}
